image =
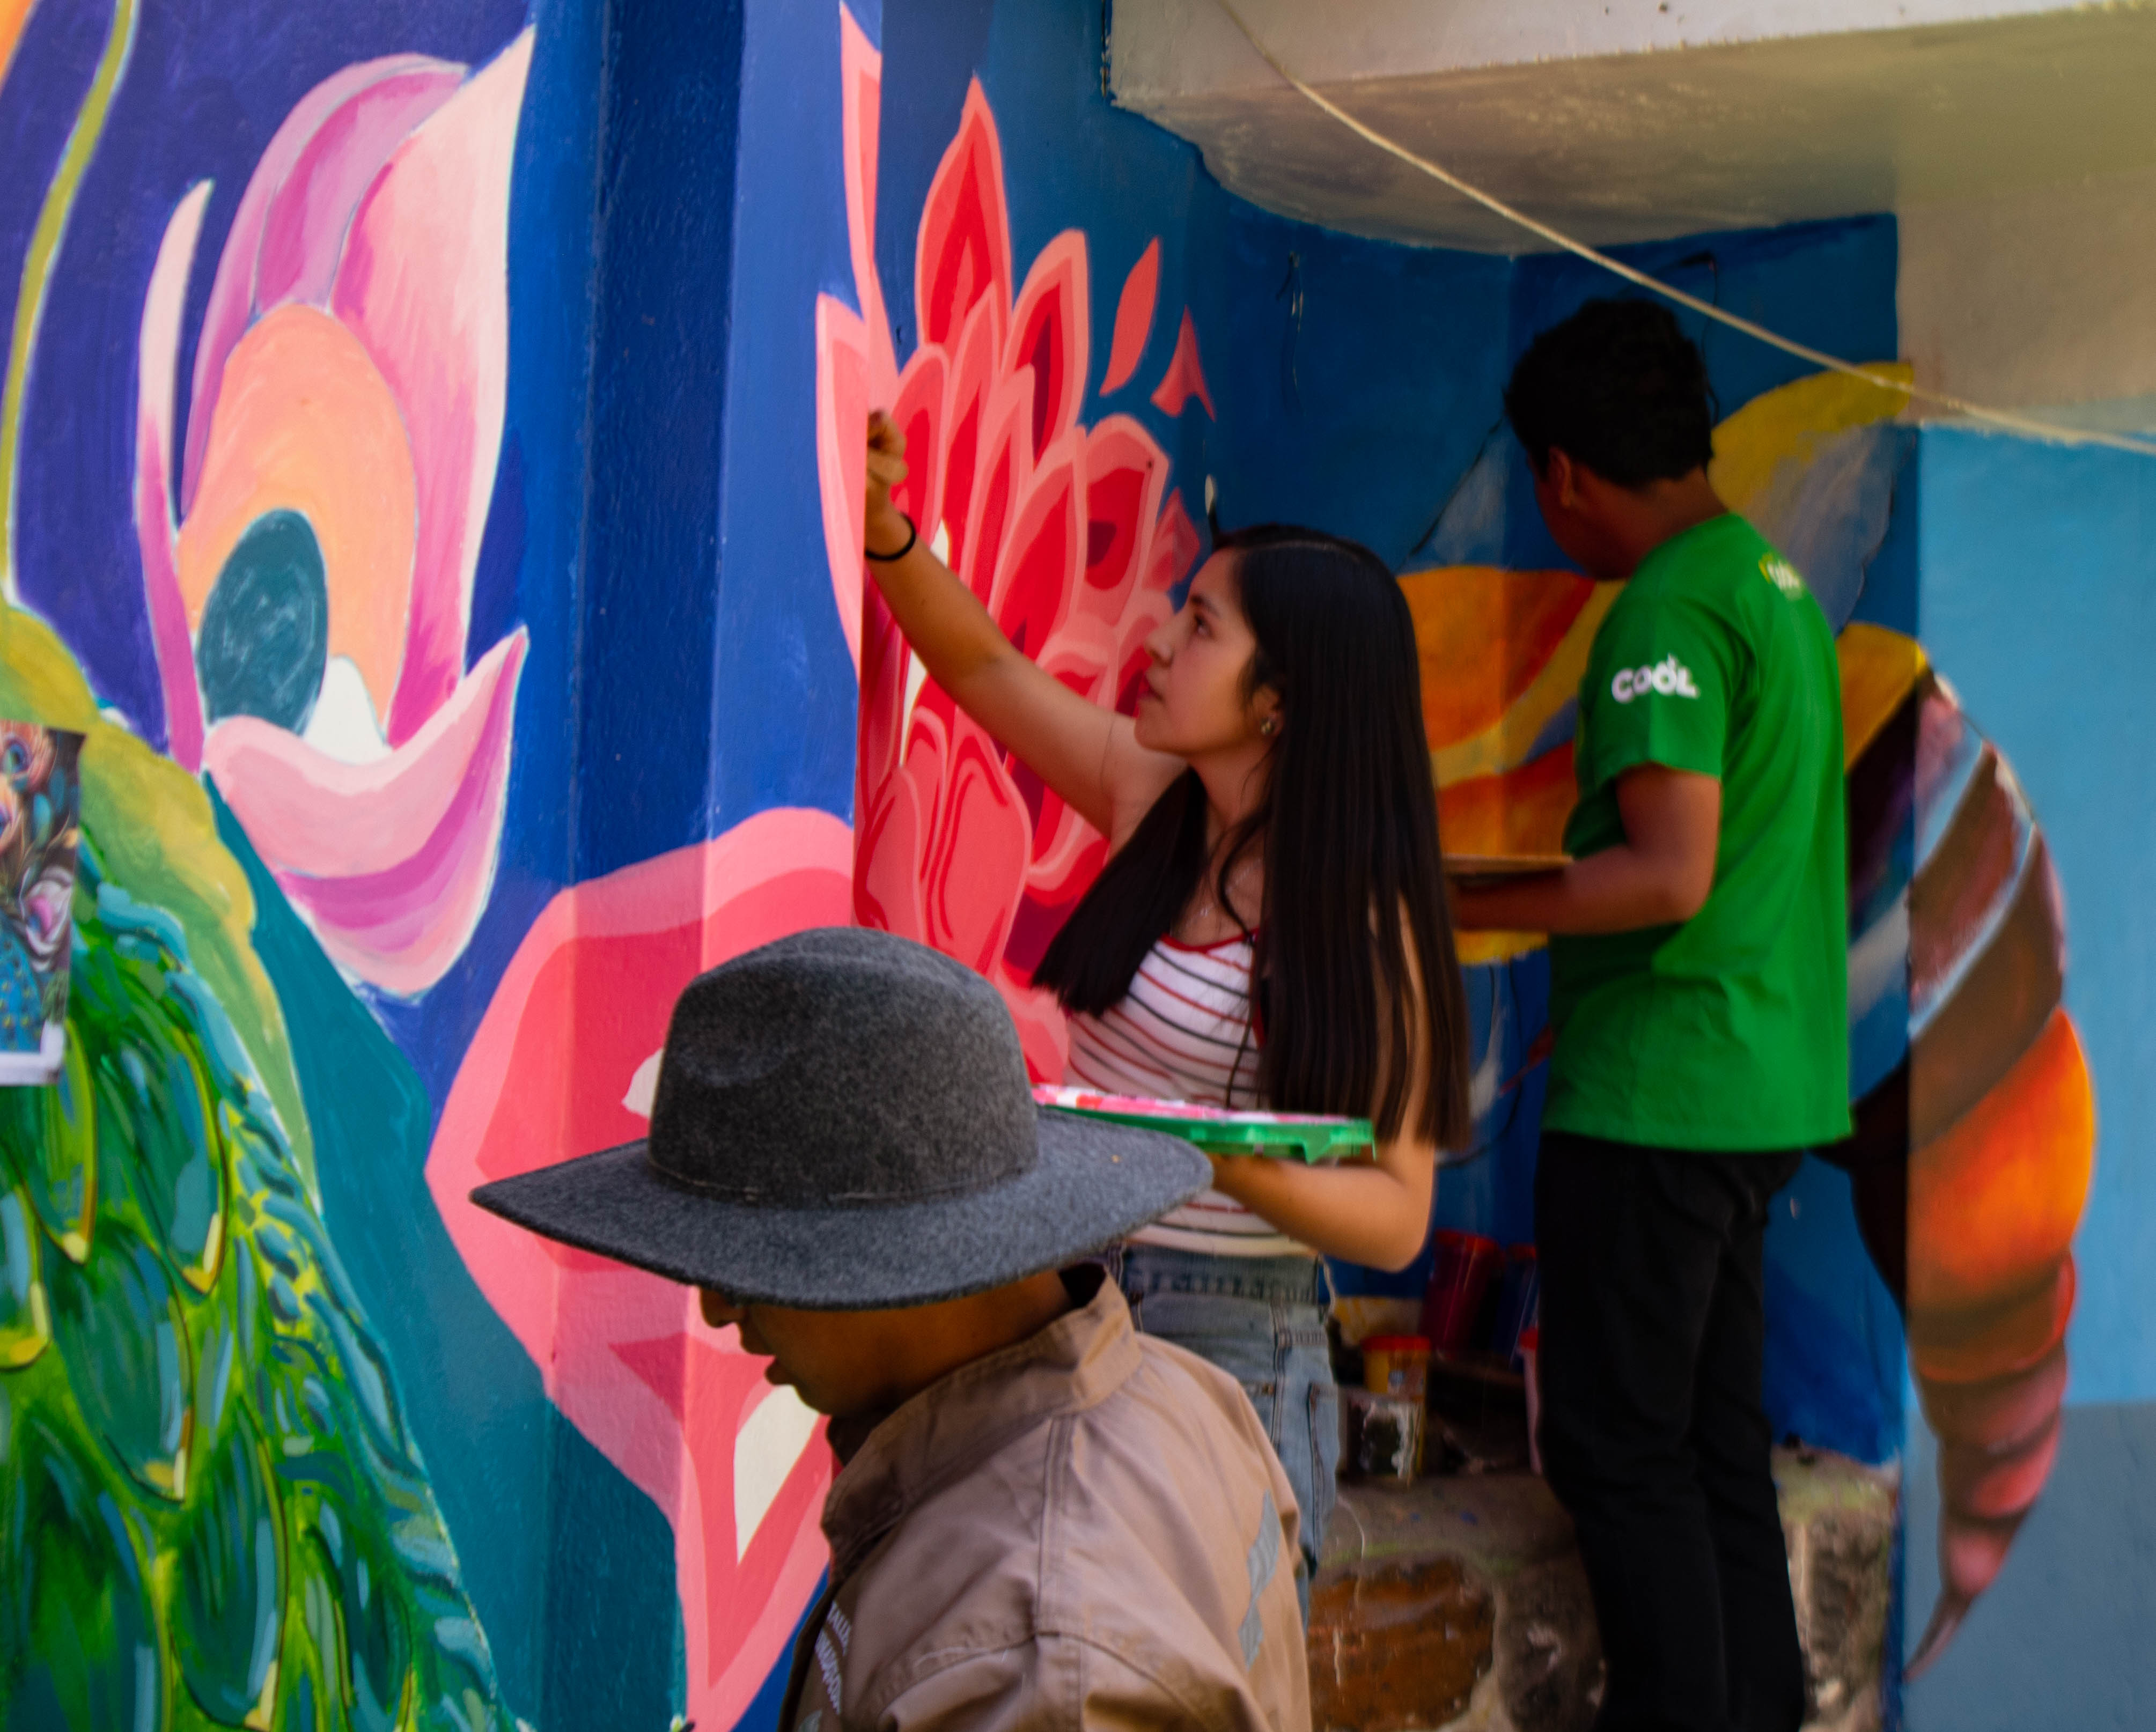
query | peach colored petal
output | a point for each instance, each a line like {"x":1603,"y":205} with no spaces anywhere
{"x":964,"y":253}
{"x":860,"y":71}
{"x":1134,"y":318}
{"x":1185,"y":379}
{"x":156,"y":365}
{"x":306,"y":423}
{"x":1048,"y":335}
{"x":844,"y":394}
{"x":425,"y":282}
{"x":392,"y":861}
{"x":622,"y":1353}
{"x":232,"y":303}
{"x":14,"y":15}
{"x":303,"y":232}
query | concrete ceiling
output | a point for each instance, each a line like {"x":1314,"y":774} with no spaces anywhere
{"x":1638,"y":120}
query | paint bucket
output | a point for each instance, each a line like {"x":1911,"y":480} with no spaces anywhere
{"x":1467,"y":1265}
{"x":1397,"y":1366}
{"x":1384,"y":1435}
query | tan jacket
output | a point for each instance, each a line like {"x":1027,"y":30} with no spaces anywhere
{"x":1086,"y":1529}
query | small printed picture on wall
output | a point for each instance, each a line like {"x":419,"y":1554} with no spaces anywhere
{"x":40,"y":804}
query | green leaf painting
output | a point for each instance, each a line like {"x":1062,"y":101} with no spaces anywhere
{"x":213,"y":1514}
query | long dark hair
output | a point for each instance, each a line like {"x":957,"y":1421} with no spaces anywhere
{"x":1348,"y":821}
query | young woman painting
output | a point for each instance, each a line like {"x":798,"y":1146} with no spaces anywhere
{"x":1270,"y":929}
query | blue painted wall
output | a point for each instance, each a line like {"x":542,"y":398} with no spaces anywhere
{"x":2039,"y":598}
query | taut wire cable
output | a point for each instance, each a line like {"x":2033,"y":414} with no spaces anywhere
{"x":2007,"y":419}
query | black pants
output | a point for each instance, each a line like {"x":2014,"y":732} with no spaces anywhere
{"x":1653,"y":1328}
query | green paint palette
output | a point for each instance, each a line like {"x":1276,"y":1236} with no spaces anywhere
{"x":1304,"y":1136}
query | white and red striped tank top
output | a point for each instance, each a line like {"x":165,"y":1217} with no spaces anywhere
{"x":1183,"y":1032}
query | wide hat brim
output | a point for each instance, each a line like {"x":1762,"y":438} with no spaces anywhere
{"x":1093,"y":1183}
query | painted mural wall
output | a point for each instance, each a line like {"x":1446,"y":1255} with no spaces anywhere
{"x":428,"y":486}
{"x":303,"y":534}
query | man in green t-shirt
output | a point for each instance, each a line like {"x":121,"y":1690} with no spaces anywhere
{"x":1698,"y":995}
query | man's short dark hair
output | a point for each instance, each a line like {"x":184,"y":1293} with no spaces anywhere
{"x":1619,"y":387}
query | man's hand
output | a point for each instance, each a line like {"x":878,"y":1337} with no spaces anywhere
{"x":1659,"y":876}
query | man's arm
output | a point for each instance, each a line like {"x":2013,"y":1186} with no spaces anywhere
{"x":1660,"y":875}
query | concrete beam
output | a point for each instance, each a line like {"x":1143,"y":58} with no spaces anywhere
{"x":1631,"y":123}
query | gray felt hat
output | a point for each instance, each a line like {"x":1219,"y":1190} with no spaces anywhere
{"x":842,"y":1123}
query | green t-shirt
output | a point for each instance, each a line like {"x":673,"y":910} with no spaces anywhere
{"x":1730,"y":1031}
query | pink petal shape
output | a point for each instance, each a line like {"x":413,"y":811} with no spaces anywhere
{"x":1185,"y":379}
{"x":887,"y":853}
{"x":963,"y":254}
{"x":157,"y":364}
{"x":927,"y":764}
{"x":232,"y":303}
{"x":845,"y":392}
{"x":1175,"y":546}
{"x":1064,"y":858}
{"x":977,"y":853}
{"x":1126,"y":474}
{"x":1048,"y":336}
{"x":303,"y":233}
{"x":1043,"y":1033}
{"x":965,"y":421}
{"x":1005,"y":464}
{"x":424,"y":283}
{"x":1038,"y":576}
{"x":860,"y":70}
{"x":392,"y":861}
{"x":622,"y":1353}
{"x":1133,"y":319}
{"x":918,"y":411}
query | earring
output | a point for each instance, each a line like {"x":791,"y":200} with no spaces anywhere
{"x":1268,"y":725}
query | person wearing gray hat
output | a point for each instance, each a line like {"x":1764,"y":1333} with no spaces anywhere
{"x":1041,"y":1519}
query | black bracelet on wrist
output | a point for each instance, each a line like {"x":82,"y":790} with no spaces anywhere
{"x":912,"y":534}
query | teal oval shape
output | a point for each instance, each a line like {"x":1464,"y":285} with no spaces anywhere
{"x":264,"y":641}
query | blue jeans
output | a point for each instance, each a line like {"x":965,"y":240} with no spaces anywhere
{"x":1261,"y":1319}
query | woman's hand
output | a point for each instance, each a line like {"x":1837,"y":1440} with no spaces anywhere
{"x":884,"y":523}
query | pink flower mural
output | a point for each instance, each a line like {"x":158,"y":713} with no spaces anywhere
{"x":309,"y":588}
{"x":1068,"y":533}
{"x":734,"y":1463}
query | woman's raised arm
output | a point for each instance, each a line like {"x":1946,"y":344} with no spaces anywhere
{"x":1088,"y":754}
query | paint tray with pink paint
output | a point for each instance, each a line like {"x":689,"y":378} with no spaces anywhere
{"x":1302,"y":1136}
